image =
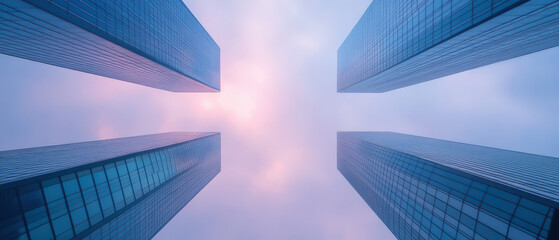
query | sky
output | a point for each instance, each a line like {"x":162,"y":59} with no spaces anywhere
{"x":278,"y":113}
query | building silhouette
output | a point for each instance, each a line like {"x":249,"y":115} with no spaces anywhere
{"x":423,"y":188}
{"x":158,"y":44}
{"x":126,"y":188}
{"x":398,"y":43}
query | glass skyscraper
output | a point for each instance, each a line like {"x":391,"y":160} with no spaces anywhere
{"x":424,"y":188}
{"x":158,"y":44}
{"x":397,"y":43}
{"x":126,"y":188}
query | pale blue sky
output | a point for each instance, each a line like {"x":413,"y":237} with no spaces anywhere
{"x":279,"y":113}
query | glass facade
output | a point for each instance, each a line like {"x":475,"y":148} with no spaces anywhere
{"x":424,"y":188}
{"x":123,"y":197}
{"x":154,"y":43}
{"x":397,"y":43}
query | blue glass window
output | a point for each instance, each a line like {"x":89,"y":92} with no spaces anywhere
{"x":149,"y":171}
{"x":58,"y":208}
{"x":103,"y":190}
{"x":75,"y":202}
{"x":35,"y":212}
{"x":114,"y":184}
{"x":134,"y":177}
{"x":143,"y":175}
{"x":90,"y":196}
{"x":11,"y":221}
{"x":125,"y":182}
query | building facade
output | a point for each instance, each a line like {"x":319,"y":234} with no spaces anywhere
{"x":158,"y":44}
{"x":126,"y":188}
{"x":423,"y":188}
{"x":398,"y":43}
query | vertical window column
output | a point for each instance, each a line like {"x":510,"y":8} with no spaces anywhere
{"x":125,"y":182}
{"x":58,"y":209}
{"x":103,"y":191}
{"x":142,"y":174}
{"x":11,"y":220}
{"x":114,"y":184}
{"x":35,"y":212}
{"x":75,"y":202}
{"x":134,"y":177}
{"x":90,"y":196}
{"x":164,"y":165}
{"x":157,"y":173}
{"x":149,"y":171}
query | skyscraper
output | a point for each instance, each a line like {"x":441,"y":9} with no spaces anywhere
{"x":158,"y":44}
{"x":424,"y":188}
{"x":398,"y":43}
{"x":126,"y":188}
